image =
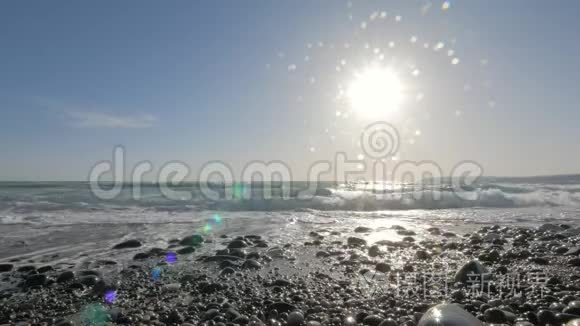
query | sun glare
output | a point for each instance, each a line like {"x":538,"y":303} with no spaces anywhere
{"x":375,"y":92}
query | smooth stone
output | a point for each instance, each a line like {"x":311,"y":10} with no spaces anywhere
{"x":65,"y":276}
{"x":472,"y":267}
{"x":564,"y":318}
{"x":388,"y":322}
{"x":574,"y":251}
{"x":422,"y":254}
{"x":36,"y":280}
{"x":573,"y":322}
{"x":383,"y":267}
{"x":374,"y":251}
{"x":6,"y":267}
{"x":574,"y":262}
{"x":237,"y":244}
{"x":354,"y":241}
{"x":88,"y":280}
{"x":251,"y":264}
{"x":26,"y":269}
{"x":448,"y":315}
{"x":192,"y":240}
{"x":210,"y":314}
{"x":546,"y":317}
{"x":133,"y":243}
{"x":185,"y":250}
{"x":281,"y":307}
{"x":227,"y":271}
{"x":295,"y":318}
{"x":45,"y":269}
{"x":141,"y":256}
{"x":362,"y":229}
{"x":372,"y":320}
{"x":494,"y":316}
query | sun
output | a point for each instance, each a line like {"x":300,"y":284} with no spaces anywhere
{"x":375,"y":91}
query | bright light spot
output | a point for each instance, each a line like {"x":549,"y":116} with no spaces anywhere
{"x":416,"y":72}
{"x":413,"y":39}
{"x":383,"y":14}
{"x":418,"y":132}
{"x":375,"y":91}
{"x":439,"y":46}
{"x":360,"y":166}
{"x":391,"y":44}
{"x":312,"y":149}
{"x":398,"y":18}
{"x":445,"y":5}
{"x":360,"y":157}
{"x":363,"y":25}
{"x":450,"y":53}
{"x":291,"y":67}
{"x":217,"y":218}
{"x":455,"y":61}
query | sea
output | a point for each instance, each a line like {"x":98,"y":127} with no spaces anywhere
{"x":69,"y":222}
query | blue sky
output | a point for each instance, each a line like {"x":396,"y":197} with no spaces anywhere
{"x":200,"y":81}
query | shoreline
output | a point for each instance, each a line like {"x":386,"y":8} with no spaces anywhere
{"x":329,"y":278}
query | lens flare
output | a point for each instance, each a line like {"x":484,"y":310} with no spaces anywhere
{"x":95,"y":315}
{"x":110,"y":295}
{"x":156,"y":273}
{"x":170,"y":257}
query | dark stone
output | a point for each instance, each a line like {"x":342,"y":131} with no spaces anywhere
{"x":362,"y":229}
{"x":374,"y":251}
{"x":281,"y":307}
{"x":192,"y":240}
{"x":354,"y":241}
{"x":251,"y":264}
{"x":36,"y":280}
{"x":133,"y":243}
{"x":472,"y":267}
{"x":140,"y":256}
{"x":494,"y":316}
{"x":45,"y":269}
{"x":383,"y":267}
{"x":65,"y":276}
{"x":547,"y":317}
{"x":185,"y":250}
{"x":237,"y":244}
{"x":372,"y":320}
{"x":6,"y":267}
{"x":227,"y":271}
{"x":26,"y":269}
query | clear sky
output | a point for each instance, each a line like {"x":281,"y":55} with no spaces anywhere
{"x":258,"y":80}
